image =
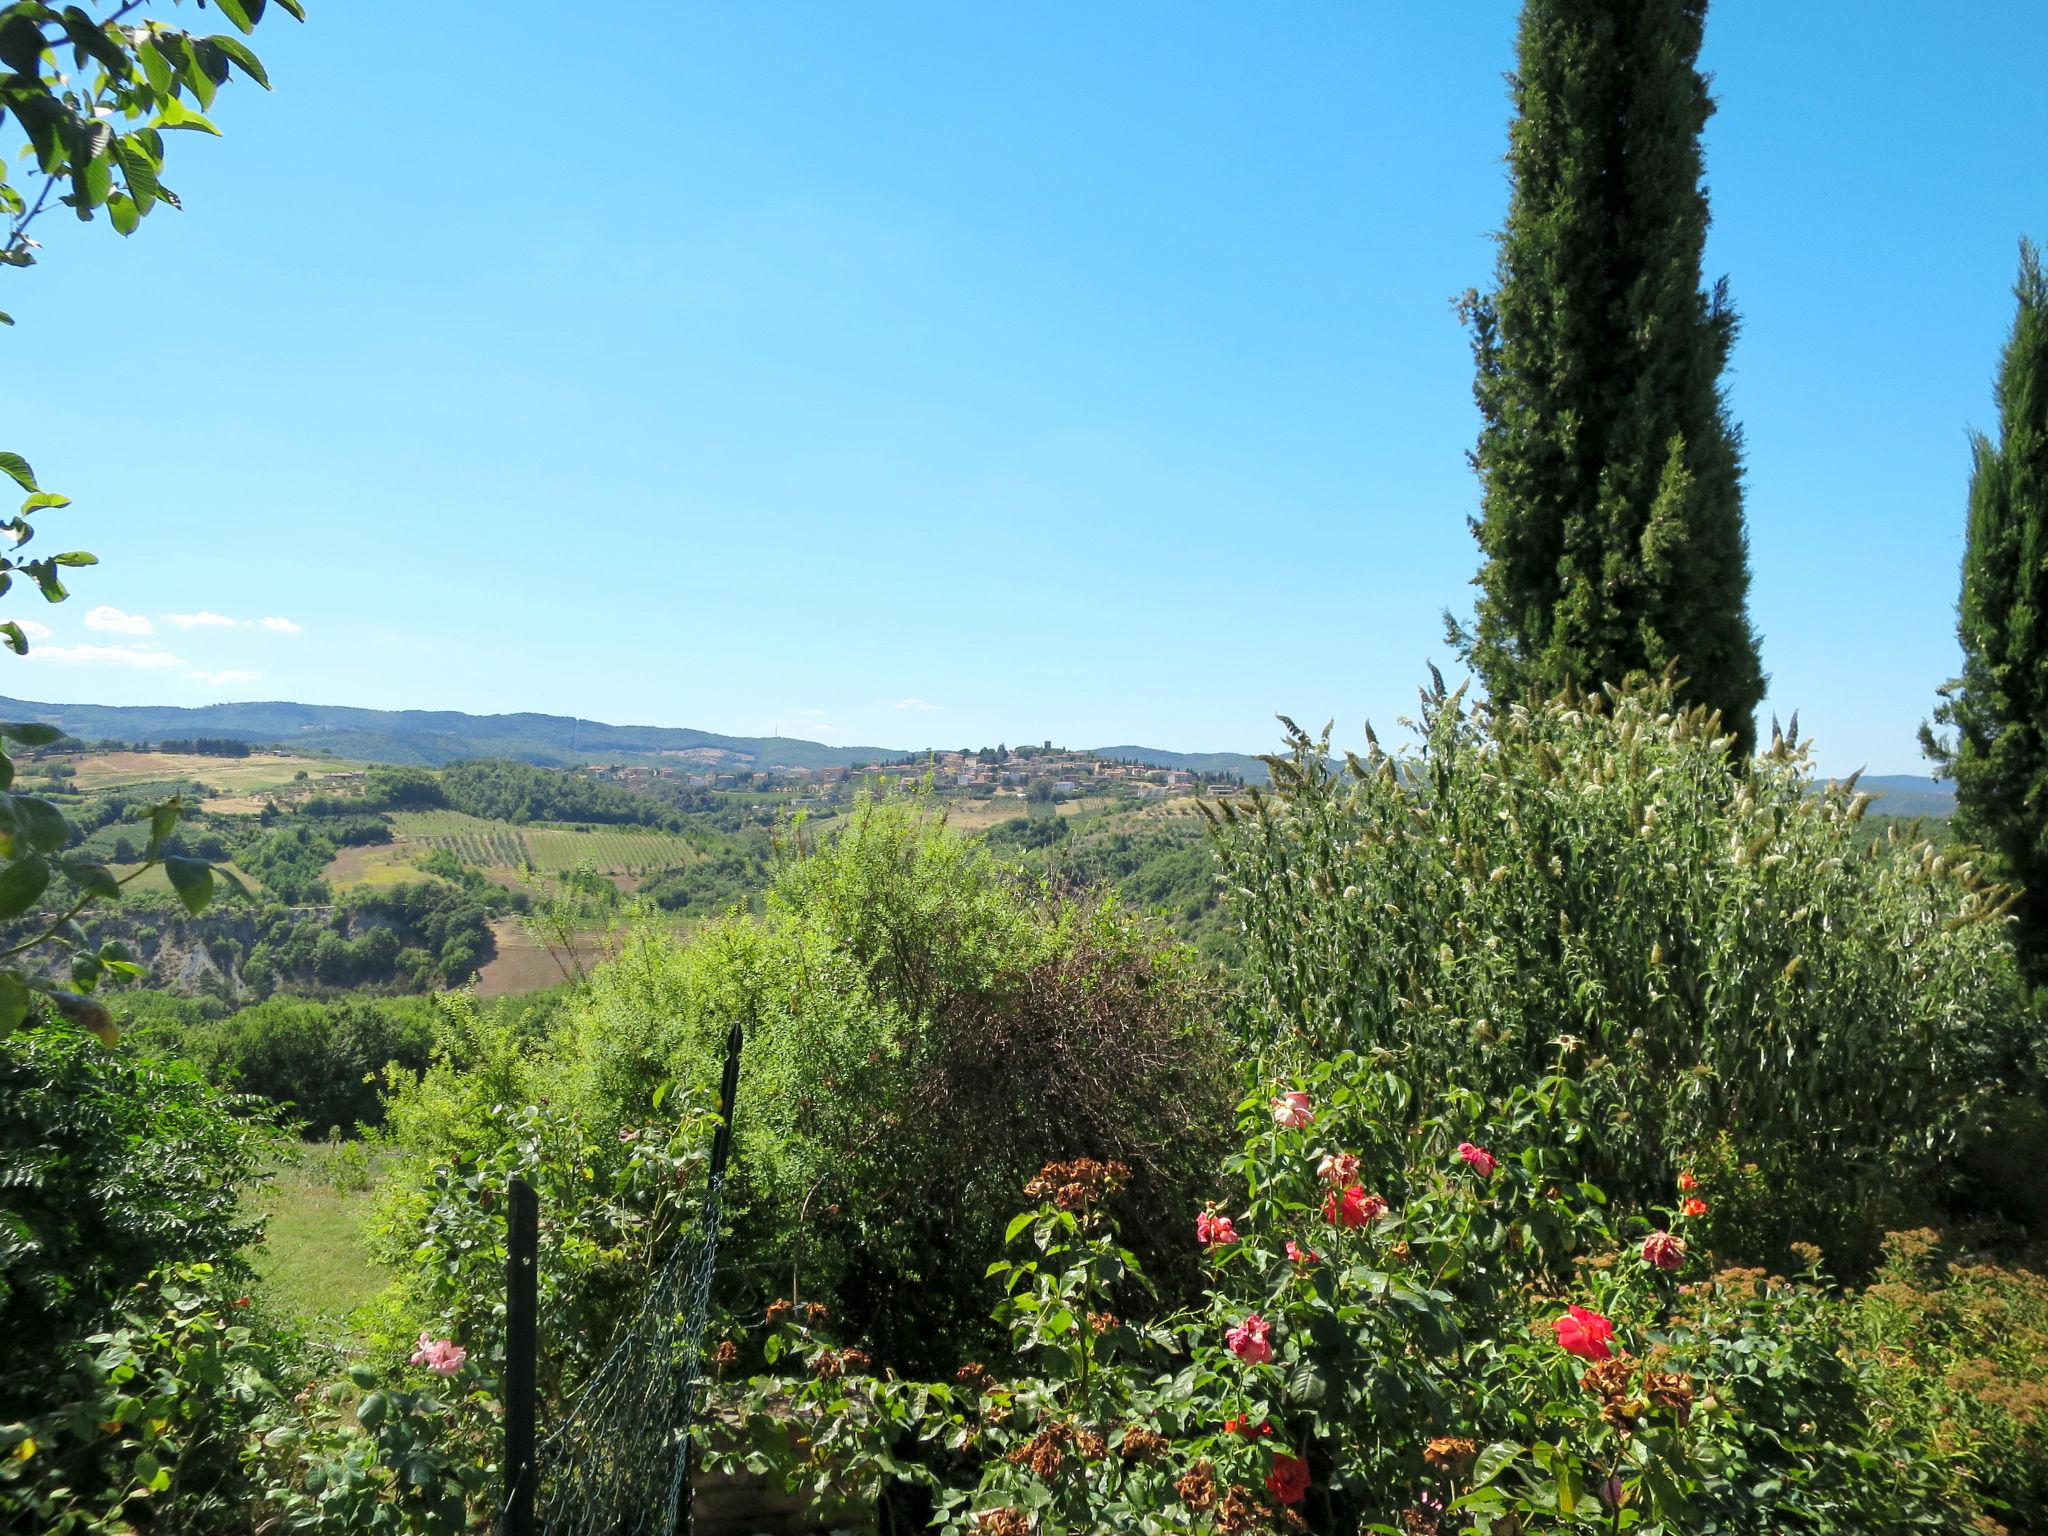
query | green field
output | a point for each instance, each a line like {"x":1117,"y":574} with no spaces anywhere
{"x":314,"y":1265}
{"x":548,"y":848}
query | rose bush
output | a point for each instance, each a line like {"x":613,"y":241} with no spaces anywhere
{"x":1489,"y":1352}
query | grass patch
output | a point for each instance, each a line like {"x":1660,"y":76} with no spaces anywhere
{"x":314,"y":1264}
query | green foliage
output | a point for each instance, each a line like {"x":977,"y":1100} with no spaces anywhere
{"x":616,"y":1193}
{"x":1579,"y":884}
{"x":113,"y":1164}
{"x":1955,"y":1349}
{"x":736,"y":874}
{"x":1611,"y":522}
{"x":1999,"y":706}
{"x":320,"y":1061}
{"x":498,"y":790}
{"x":291,"y":860}
{"x":922,"y":1031}
{"x":149,"y":1422}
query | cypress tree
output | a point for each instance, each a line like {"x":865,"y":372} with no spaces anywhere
{"x":1998,"y":755}
{"x":1611,"y":506}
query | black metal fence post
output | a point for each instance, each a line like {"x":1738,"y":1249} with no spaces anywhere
{"x":522,"y":1295}
{"x":714,"y":1189}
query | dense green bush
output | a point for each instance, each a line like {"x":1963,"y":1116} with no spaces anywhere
{"x":112,"y":1164}
{"x":151,"y":1423}
{"x":922,"y":1031}
{"x":321,"y":1060}
{"x":1582,"y":884}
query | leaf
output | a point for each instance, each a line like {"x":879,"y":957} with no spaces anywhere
{"x":1493,"y":1461}
{"x":243,"y":13}
{"x":371,"y":1410}
{"x":15,"y":467}
{"x":245,"y":60}
{"x":31,"y":733}
{"x":138,"y":170}
{"x":176,"y":114}
{"x":14,"y":1001}
{"x":123,"y":213}
{"x":192,"y":879}
{"x":162,"y":818}
{"x":95,"y":879}
{"x":88,"y":1013}
{"x":15,"y":640}
{"x":43,"y":499}
{"x":158,"y":69}
{"x":1017,"y":1224}
{"x":74,"y":558}
{"x":41,"y":823}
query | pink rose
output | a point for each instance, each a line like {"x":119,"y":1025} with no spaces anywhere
{"x":1213,"y":1231}
{"x":1664,"y":1250}
{"x":1338,"y":1168}
{"x":1251,"y":1340}
{"x":1481,"y":1159}
{"x":1302,"y":1255}
{"x":443,"y":1357}
{"x":1291,"y":1111}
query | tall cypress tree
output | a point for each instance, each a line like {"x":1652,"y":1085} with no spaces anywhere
{"x":1611,"y":509}
{"x":1999,"y":706}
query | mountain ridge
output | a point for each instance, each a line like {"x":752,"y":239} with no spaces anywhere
{"x":433,"y":737}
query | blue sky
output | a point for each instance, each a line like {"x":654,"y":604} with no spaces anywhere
{"x":913,"y":374}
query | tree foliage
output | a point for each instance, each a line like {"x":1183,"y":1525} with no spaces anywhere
{"x":1998,"y":708}
{"x":1611,"y":522}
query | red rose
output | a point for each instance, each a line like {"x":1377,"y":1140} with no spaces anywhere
{"x":1583,"y":1333}
{"x":1353,"y":1208}
{"x":1301,"y":1255}
{"x":1664,"y":1250}
{"x":1687,"y":1183}
{"x":1483,"y":1161}
{"x":1288,"y":1481}
{"x":1237,"y":1424}
{"x":1692,"y":1206}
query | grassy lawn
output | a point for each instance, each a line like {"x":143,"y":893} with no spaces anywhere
{"x":314,"y":1264}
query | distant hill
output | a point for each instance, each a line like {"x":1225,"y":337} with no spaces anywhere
{"x":1909,"y":794}
{"x":1246,"y":767}
{"x":434,"y":737}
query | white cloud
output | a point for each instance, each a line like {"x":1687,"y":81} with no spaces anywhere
{"x":229,"y":676}
{"x":34,"y":629}
{"x":914,"y":704}
{"x":114,"y":622}
{"x":110,"y":655}
{"x":282,"y":626}
{"x":201,"y":620}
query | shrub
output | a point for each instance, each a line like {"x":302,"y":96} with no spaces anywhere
{"x":1955,"y":1349}
{"x":114,"y":1165}
{"x":1582,"y":883}
{"x":923,"y":1030}
{"x":149,"y":1423}
{"x":319,"y":1060}
{"x":1442,"y":1337}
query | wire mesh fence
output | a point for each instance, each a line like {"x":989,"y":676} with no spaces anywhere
{"x":618,"y":1458}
